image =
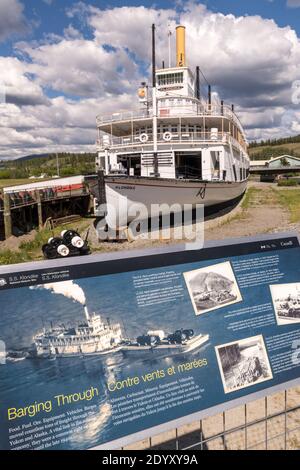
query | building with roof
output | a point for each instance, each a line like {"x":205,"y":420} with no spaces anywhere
{"x":284,"y":161}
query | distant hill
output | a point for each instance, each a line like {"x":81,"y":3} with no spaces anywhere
{"x":70,"y":164}
{"x":31,"y":157}
{"x":271,"y":142}
{"x":267,"y":149}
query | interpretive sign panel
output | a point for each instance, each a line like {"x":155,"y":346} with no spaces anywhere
{"x":100,"y":352}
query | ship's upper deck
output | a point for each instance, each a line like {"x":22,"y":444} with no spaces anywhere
{"x":189,"y":110}
{"x":189,"y":118}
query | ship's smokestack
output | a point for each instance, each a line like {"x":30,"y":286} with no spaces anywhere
{"x":180,"y":46}
{"x":87,"y":315}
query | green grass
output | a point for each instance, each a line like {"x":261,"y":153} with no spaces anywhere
{"x":14,"y":182}
{"x":13,"y":257}
{"x":289,"y":182}
{"x":290,"y":199}
{"x":249,"y":197}
{"x":246,"y":203}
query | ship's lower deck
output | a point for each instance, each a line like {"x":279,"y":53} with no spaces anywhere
{"x":67,"y":352}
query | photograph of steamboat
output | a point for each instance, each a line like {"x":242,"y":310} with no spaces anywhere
{"x":286,"y":301}
{"x":178,"y":148}
{"x":92,"y":337}
{"x":158,"y":343}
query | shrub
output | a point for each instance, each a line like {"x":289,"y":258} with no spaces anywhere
{"x":288,"y":182}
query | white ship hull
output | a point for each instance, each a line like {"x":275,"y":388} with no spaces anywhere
{"x":129,"y":196}
{"x":75,"y":352}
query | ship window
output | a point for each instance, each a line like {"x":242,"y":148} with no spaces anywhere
{"x":170,"y":78}
{"x":215,"y":160}
{"x":234,"y":172}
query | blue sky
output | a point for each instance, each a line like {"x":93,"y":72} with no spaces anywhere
{"x":63,"y":62}
{"x":50,"y":15}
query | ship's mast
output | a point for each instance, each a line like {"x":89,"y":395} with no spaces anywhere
{"x":169,"y":41}
{"x":154,"y":104}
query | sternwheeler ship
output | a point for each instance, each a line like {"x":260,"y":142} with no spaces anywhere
{"x":92,"y":337}
{"x":97,"y":338}
{"x":179,"y":147}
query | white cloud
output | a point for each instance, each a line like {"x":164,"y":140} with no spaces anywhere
{"x":249,"y":60}
{"x":130,"y":27}
{"x":12,"y":20}
{"x":18,"y":87}
{"x":81,"y":67}
{"x":63,"y":124}
{"x":72,"y":33}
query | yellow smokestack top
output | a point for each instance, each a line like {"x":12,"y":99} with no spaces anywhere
{"x":180,"y":46}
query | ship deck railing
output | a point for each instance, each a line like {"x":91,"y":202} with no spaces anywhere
{"x":19,"y":199}
{"x":187,"y":172}
{"x":177,"y":138}
{"x":172,"y":110}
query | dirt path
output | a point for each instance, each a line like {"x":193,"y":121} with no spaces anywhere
{"x":261,"y":212}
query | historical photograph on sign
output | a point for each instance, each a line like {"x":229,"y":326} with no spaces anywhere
{"x":69,"y":339}
{"x":212,"y":287}
{"x":243,"y":363}
{"x":286,"y":301}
